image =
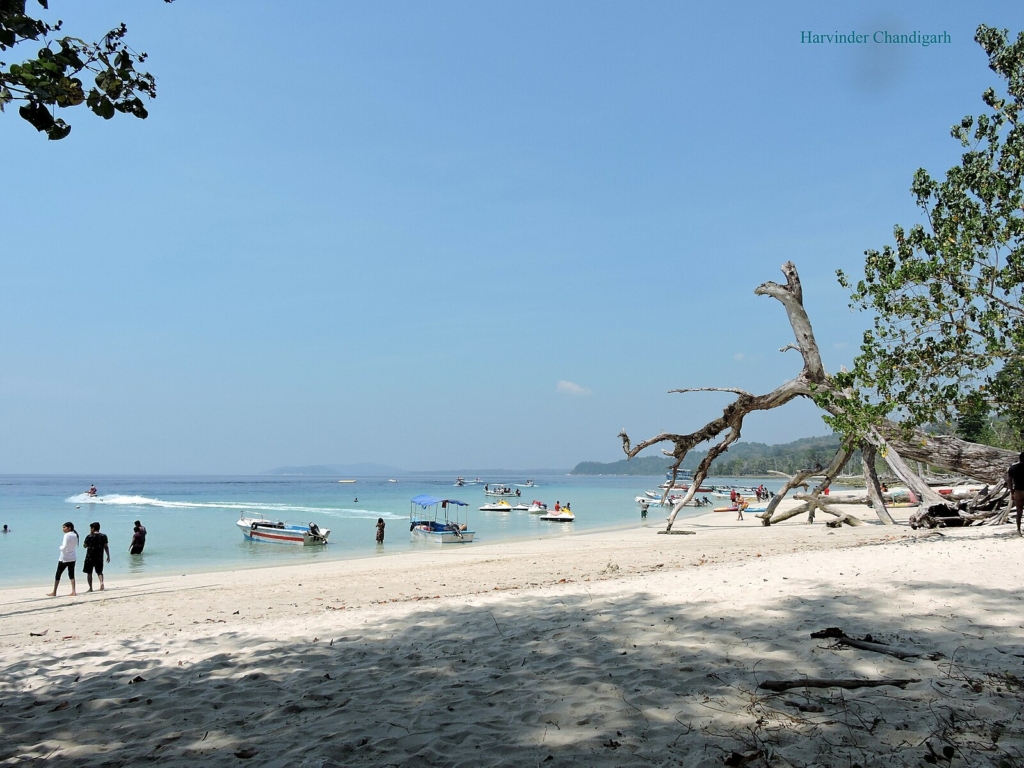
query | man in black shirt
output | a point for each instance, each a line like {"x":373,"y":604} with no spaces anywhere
{"x":1015,"y":482}
{"x":96,"y":545}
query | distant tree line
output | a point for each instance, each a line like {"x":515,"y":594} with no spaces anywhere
{"x":741,"y":459}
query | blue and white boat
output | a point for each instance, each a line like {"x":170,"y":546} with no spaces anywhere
{"x":261,"y":529}
{"x":442,"y":521}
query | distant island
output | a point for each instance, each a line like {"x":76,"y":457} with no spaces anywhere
{"x":756,"y":459}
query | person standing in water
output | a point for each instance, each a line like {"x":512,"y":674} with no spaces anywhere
{"x":96,"y":544}
{"x":138,"y":539}
{"x":380,"y":530}
{"x":66,"y":561}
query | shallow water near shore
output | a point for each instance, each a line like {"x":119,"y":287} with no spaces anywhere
{"x":191,"y":520}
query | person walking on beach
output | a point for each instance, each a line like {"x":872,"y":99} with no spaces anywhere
{"x":1015,"y":482}
{"x":741,"y":504}
{"x":138,"y":539}
{"x":66,"y":561}
{"x":380,"y":530}
{"x":96,"y":545}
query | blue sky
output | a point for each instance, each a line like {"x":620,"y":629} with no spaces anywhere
{"x":453,"y":235}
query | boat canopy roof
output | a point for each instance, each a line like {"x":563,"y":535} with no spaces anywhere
{"x":426,"y":500}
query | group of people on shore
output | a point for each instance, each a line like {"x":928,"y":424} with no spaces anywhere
{"x":97,"y":551}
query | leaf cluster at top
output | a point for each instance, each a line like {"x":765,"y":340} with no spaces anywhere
{"x":53,"y":78}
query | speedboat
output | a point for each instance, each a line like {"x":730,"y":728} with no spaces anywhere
{"x":459,"y":482}
{"x":538,"y":508}
{"x":560,"y":516}
{"x":521,"y":508}
{"x":496,"y":506}
{"x":261,"y":529}
{"x":498,"y":490}
{"x":443,"y":524}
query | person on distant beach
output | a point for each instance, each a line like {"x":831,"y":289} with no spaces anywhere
{"x":732,"y":495}
{"x":92,"y":491}
{"x":96,"y":544}
{"x":380,"y":530}
{"x":1015,"y":482}
{"x":66,"y":561}
{"x":138,"y":539}
{"x":643,"y":509}
{"x":741,"y":504}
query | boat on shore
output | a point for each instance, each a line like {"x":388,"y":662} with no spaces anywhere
{"x":276,"y":532}
{"x":443,"y":524}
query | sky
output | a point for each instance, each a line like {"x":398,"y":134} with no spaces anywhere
{"x":453,"y":235}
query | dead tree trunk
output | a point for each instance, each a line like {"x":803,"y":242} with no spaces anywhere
{"x":890,"y":439}
{"x":867,"y":461}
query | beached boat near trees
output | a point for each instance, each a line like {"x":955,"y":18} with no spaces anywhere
{"x":441,"y":521}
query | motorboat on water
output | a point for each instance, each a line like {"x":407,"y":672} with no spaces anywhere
{"x":459,"y":482}
{"x":528,"y":484}
{"x":496,"y":506}
{"x":499,"y":490}
{"x":537,"y":508}
{"x":444,"y":523}
{"x":275,"y":532}
{"x":521,"y":508}
{"x":562,"y":515}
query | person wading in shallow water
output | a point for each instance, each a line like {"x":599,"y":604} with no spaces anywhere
{"x":138,"y":539}
{"x":380,"y":530}
{"x":1015,"y":482}
{"x":96,"y":545}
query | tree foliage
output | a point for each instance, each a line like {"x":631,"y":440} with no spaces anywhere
{"x":53,"y":79}
{"x":947,"y":296}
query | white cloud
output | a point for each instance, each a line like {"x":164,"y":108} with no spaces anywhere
{"x":569,"y":388}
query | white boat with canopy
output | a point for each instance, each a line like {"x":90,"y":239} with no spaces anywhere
{"x":446,"y":522}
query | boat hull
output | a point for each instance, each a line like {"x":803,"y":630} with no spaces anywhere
{"x":281,"y":533}
{"x":424,"y":531}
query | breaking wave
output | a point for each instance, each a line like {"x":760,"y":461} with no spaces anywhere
{"x":274,"y":509}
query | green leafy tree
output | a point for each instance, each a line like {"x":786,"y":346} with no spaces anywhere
{"x":1007,"y":397}
{"x":53,"y":79}
{"x":947,"y":296}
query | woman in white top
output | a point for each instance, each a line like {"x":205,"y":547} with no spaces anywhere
{"x":67,"y":558}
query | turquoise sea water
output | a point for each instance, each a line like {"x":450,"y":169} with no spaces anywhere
{"x":191,"y":520}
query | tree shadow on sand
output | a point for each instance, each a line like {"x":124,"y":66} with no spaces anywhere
{"x":580,"y":679}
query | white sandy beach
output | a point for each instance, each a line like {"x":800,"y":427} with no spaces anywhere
{"x":609,"y":649}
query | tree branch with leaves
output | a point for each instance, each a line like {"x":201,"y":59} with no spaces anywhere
{"x":53,"y":79}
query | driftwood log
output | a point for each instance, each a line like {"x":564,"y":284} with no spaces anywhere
{"x":890,"y":440}
{"x":870,"y":644}
{"x":819,"y":682}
